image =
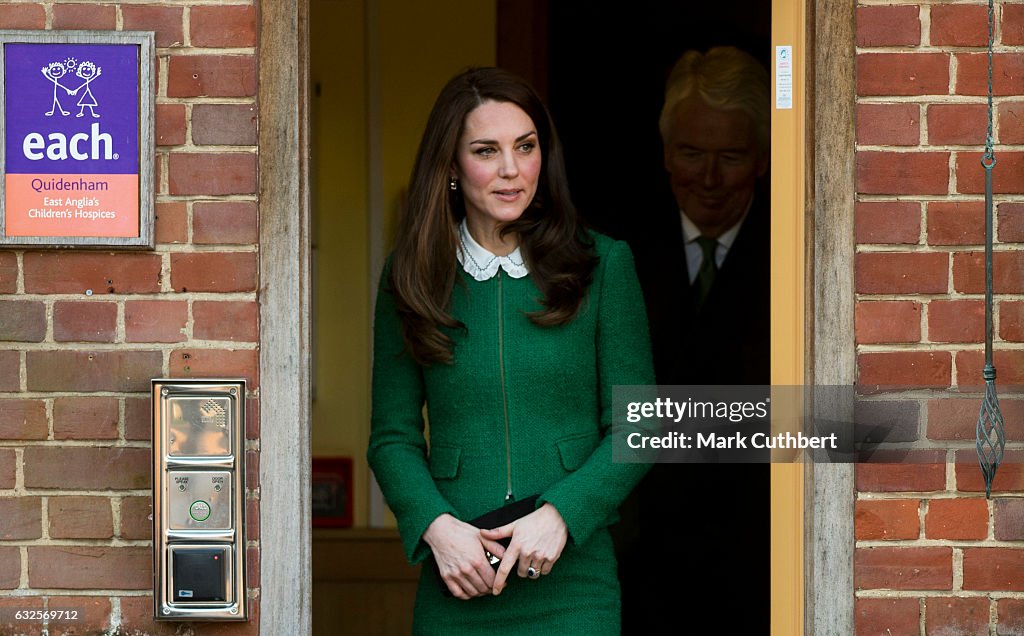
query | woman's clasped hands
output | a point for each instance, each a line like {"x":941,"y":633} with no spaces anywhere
{"x":537,"y":541}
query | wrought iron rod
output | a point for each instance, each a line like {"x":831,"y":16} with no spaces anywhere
{"x":990,"y":435}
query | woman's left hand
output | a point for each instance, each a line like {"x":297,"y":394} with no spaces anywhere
{"x":537,"y":541}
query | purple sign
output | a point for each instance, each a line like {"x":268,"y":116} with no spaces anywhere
{"x":71,"y":139}
{"x":57,"y":91}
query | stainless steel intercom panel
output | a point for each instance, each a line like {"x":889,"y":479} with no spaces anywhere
{"x":199,"y":500}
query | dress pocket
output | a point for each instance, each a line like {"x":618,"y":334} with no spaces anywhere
{"x":575,"y":450}
{"x":444,"y":461}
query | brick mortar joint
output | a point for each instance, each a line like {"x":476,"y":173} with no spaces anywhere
{"x":931,"y":394}
{"x":208,"y":198}
{"x":922,"y":610}
{"x":937,"y":543}
{"x":48,"y":337}
{"x":116,"y":521}
{"x":44,"y":518}
{"x":195,"y":149}
{"x":929,"y":248}
{"x":208,"y":248}
{"x":928,"y":347}
{"x":186,"y":25}
{"x":189,"y":143}
{"x":925,"y":298}
{"x":162,"y":62}
{"x":864,"y":197}
{"x":48,"y":404}
{"x":190,"y":321}
{"x":929,"y":444}
{"x":165,"y":272}
{"x":250,"y":296}
{"x":878,"y":248}
{"x":954,"y":149}
{"x":251,"y":394}
{"x":880,"y":593}
{"x":945,"y":49}
{"x":187,"y":50}
{"x":990,"y":520}
{"x":929,"y":100}
{"x":119,"y":322}
{"x":922,"y":515}
{"x":87,"y":493}
{"x":923,"y":320}
{"x":122,"y":418}
{"x":19,"y":471}
{"x":113,"y":542}
{"x":172,"y":3}
{"x":99,"y":444}
{"x":922,"y":131}
{"x":136,"y":347}
{"x":867,"y":495}
{"x":48,"y":13}
{"x":925,"y":16}
{"x":951,"y":347}
{"x":190,"y":214}
{"x":951,"y":484}
{"x":958,"y":569}
{"x":23,"y":579}
{"x":211,"y":100}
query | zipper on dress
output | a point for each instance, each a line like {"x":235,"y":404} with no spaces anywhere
{"x":504,"y":395}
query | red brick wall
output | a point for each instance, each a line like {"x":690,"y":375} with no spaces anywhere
{"x":82,"y":332}
{"x":933,"y":555}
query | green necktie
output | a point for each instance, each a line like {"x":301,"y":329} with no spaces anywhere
{"x":708,"y":268}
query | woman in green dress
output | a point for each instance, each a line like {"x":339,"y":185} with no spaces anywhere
{"x":511,"y":323}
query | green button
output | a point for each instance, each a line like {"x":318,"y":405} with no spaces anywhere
{"x":200,"y":510}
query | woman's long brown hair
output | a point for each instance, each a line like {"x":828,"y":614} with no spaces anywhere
{"x":423,"y":271}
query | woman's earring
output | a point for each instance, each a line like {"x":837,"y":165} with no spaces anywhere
{"x":453,"y":184}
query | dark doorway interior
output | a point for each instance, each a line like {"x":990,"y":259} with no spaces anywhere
{"x":606,"y":71}
{"x":695,"y":539}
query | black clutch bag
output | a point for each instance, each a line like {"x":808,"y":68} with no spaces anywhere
{"x":495,"y":519}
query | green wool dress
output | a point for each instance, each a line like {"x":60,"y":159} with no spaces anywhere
{"x":521,"y":408}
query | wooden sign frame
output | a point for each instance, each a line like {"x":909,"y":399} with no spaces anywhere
{"x":144,"y":236}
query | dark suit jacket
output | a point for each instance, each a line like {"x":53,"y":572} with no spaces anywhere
{"x":705,"y":526}
{"x":729,"y":340}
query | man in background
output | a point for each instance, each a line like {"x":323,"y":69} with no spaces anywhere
{"x":708,"y":283}
{"x":705,"y":527}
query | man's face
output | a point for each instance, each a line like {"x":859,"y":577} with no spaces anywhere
{"x":713,"y":163}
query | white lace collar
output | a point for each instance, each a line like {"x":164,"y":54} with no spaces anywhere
{"x":481,"y":264}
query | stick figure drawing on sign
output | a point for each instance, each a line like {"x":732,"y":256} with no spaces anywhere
{"x":88,"y":72}
{"x":54,"y":71}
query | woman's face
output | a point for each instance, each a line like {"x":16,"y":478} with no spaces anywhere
{"x":497,"y":163}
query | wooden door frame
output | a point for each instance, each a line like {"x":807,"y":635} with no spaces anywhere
{"x":284,"y":295}
{"x":813,"y":196}
{"x":825,"y":594}
{"x":829,"y":493}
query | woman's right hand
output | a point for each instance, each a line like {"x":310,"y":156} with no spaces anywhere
{"x":460,"y":557}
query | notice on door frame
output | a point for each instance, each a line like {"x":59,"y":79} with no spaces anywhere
{"x":783,"y":77}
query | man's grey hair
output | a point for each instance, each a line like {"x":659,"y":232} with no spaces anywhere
{"x":726,"y":78}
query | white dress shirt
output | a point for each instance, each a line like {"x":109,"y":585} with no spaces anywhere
{"x":694,"y":254}
{"x":481,"y":264}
